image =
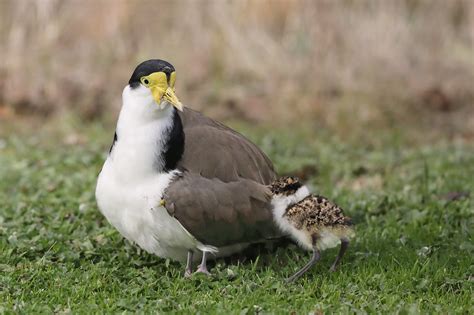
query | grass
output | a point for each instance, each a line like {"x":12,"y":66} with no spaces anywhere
{"x":413,"y":251}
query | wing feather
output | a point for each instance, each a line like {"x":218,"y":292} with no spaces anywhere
{"x":216,"y":151}
{"x":221,"y":213}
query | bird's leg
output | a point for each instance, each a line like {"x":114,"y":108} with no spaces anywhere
{"x":313,"y":260}
{"x":203,"y":266}
{"x":342,"y":250}
{"x":189,"y":264}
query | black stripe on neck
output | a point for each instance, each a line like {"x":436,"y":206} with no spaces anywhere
{"x":113,"y":143}
{"x":175,"y":144}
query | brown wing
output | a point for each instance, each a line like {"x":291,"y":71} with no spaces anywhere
{"x":218,"y":213}
{"x":216,"y":151}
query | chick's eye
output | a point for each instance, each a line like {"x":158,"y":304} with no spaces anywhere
{"x":145,"y":81}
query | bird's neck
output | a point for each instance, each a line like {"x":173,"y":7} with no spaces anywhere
{"x":149,"y":141}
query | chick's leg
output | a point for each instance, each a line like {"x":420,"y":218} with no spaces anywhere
{"x":299,"y":273}
{"x":342,"y":250}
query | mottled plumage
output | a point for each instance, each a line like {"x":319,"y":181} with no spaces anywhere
{"x":314,"y":222}
{"x":285,"y":185}
{"x":315,"y":212}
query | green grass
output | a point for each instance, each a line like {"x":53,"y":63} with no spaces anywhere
{"x":413,"y":252}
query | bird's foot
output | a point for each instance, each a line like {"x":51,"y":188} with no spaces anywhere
{"x":292,"y":278}
{"x":333,"y":268}
{"x":203,"y":270}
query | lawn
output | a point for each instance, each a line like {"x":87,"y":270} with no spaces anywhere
{"x":413,"y":252}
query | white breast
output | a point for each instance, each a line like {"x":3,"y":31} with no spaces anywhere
{"x":280,"y":203}
{"x":130,"y":187}
{"x":133,"y":208}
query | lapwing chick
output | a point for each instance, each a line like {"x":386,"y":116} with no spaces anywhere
{"x":313,"y":221}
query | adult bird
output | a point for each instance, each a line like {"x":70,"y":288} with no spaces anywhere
{"x":178,"y":183}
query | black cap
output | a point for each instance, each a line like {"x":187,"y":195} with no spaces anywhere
{"x":149,"y":67}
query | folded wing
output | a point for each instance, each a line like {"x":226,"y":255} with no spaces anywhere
{"x":218,"y":213}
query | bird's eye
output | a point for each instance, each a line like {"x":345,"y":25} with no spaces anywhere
{"x":145,"y":81}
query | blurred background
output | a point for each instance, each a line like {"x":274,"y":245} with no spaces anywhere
{"x":348,"y":67}
{"x":370,"y":102}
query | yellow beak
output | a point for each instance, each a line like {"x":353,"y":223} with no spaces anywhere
{"x":158,"y":84}
{"x":168,"y":94}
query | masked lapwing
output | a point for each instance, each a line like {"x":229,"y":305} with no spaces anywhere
{"x":178,"y":183}
{"x":313,"y":221}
